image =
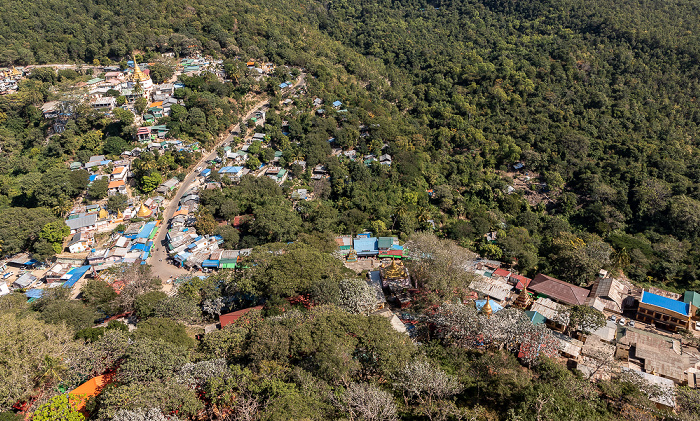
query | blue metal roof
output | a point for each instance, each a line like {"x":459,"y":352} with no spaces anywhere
{"x":366,"y":245}
{"x":337,"y":104}
{"x":205,"y":172}
{"x":146,"y":230}
{"x":210,"y":264}
{"x":139,"y":247}
{"x":494,"y":306}
{"x":75,"y":275}
{"x":667,"y":303}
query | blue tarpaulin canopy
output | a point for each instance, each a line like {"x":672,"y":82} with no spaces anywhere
{"x":75,"y":275}
{"x":34,"y":293}
{"x":210,"y":264}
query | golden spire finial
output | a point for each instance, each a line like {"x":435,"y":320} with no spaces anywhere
{"x":486,"y":309}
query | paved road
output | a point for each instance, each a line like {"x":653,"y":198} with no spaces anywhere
{"x":158,"y":258}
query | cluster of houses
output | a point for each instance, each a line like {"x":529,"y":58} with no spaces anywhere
{"x":132,"y":245}
{"x":9,"y":79}
{"x":28,"y":275}
{"x":193,"y":251}
{"x":640,"y":326}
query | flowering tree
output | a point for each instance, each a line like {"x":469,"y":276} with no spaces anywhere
{"x":357,"y":296}
{"x":428,"y":387}
{"x":507,"y":328}
{"x":438,"y":265}
{"x":539,"y":342}
{"x":152,"y":414}
{"x":367,"y":402}
{"x":196,"y":374}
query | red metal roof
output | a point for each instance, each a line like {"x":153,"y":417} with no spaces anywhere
{"x":501,"y":272}
{"x":558,"y":290}
{"x":228,"y":318}
{"x":521,"y":281}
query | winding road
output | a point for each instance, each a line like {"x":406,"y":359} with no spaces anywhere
{"x":158,"y":259}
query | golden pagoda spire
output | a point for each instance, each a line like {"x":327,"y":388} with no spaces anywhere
{"x":486,"y":309}
{"x":143,"y":211}
{"x":138,"y":75}
{"x":120,"y":214}
{"x":394,"y":271}
{"x":103,"y":214}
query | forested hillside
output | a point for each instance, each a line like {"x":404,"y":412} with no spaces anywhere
{"x":597,"y":99}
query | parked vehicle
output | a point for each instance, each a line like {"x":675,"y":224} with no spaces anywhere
{"x":631,"y":323}
{"x":613,"y":318}
{"x":622,"y":321}
{"x":7,"y":274}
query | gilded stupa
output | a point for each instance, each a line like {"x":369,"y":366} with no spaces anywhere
{"x":141,"y":78}
{"x":523,"y":299}
{"x":395,"y":274}
{"x":103,"y":214}
{"x":143,"y":211}
{"x":120,"y":215}
{"x":486,"y":309}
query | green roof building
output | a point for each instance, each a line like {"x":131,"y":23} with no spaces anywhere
{"x":692,"y":297}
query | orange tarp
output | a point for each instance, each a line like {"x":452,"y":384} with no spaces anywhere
{"x":181,"y":212}
{"x":156,"y":104}
{"x":90,"y":388}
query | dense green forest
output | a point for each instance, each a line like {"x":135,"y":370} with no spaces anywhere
{"x":597,"y":100}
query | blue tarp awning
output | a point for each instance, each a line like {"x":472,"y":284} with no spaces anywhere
{"x":210,"y":264}
{"x":34,"y":293}
{"x":75,"y":275}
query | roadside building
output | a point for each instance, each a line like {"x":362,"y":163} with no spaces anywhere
{"x":665,"y":312}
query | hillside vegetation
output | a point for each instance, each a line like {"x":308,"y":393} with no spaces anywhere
{"x":597,"y":99}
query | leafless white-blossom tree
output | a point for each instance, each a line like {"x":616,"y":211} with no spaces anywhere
{"x":428,"y":387}
{"x":506,"y":329}
{"x":357,"y":296}
{"x":366,"y":402}
{"x":152,"y":414}
{"x":196,"y":374}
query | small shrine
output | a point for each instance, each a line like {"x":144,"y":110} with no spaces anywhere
{"x":524,"y":300}
{"x":352,"y":256}
{"x":395,"y":275}
{"x":103,"y":214}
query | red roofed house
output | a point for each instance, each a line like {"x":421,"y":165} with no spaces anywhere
{"x":143,"y":134}
{"x":557,"y":290}
{"x":520,"y":281}
{"x":228,"y":318}
{"x":502,"y":273}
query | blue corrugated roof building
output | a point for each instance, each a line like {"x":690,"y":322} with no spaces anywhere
{"x":366,"y":246}
{"x":210,"y":264}
{"x":666,"y":303}
{"x":146,"y":230}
